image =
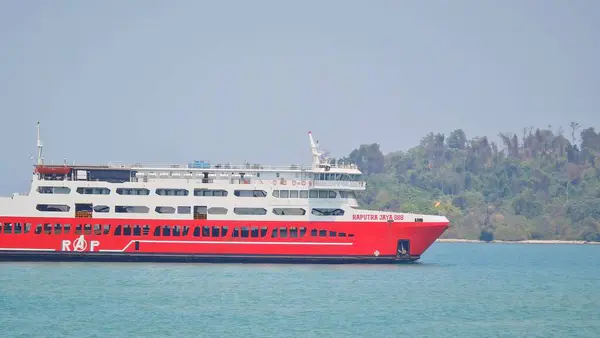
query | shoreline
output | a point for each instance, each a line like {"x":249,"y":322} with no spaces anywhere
{"x":528,"y":241}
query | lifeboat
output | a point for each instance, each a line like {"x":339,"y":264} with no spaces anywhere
{"x":55,"y":170}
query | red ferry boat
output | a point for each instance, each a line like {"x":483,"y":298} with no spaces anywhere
{"x":206,"y":213}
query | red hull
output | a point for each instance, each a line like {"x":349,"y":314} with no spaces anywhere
{"x":137,"y":239}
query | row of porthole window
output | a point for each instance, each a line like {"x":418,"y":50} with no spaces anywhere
{"x":170,"y":230}
{"x":187,"y":210}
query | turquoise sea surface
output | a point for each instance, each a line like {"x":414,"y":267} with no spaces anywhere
{"x":456,"y":290}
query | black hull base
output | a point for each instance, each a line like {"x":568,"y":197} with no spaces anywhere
{"x":62,"y":256}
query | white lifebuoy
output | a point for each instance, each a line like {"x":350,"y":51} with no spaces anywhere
{"x":274,"y":182}
{"x":283,"y":182}
{"x":293,"y":182}
{"x":303,"y":182}
{"x":376,"y":253}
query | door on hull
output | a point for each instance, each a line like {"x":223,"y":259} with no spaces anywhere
{"x":403,"y":248}
{"x":83,"y":210}
{"x":200,"y":212}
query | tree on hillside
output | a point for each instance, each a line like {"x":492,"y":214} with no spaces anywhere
{"x":541,"y":185}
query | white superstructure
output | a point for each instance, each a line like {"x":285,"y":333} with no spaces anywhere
{"x":323,"y":191}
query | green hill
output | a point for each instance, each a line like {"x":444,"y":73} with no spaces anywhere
{"x":537,"y":185}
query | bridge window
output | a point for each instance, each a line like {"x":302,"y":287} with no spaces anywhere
{"x":327,"y":212}
{"x":54,"y":190}
{"x":250,"y":193}
{"x":101,"y":208}
{"x":289,"y":211}
{"x":347,"y":194}
{"x":93,"y":191}
{"x":210,"y":192}
{"x":133,"y":191}
{"x":165,"y":210}
{"x":217,"y":211}
{"x":130,"y":209}
{"x":53,"y":207}
{"x":186,"y":210}
{"x":172,"y":192}
{"x":250,"y":211}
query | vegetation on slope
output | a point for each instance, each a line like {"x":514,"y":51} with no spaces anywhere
{"x":538,"y":185}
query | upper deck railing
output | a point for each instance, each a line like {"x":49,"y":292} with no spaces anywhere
{"x":223,"y":166}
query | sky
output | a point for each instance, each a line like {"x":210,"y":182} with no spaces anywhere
{"x":236,"y":81}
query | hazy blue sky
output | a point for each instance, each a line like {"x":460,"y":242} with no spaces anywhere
{"x":245,"y":80}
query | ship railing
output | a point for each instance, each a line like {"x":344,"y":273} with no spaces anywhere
{"x":206,"y":165}
{"x":339,"y":184}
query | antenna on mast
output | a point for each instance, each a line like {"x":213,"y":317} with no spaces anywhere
{"x":320,"y":158}
{"x":40,"y":146}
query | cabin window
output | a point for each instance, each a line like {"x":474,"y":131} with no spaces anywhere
{"x":263,"y":231}
{"x":53,"y":207}
{"x":322,"y":233}
{"x":196,"y":232}
{"x":54,"y":190}
{"x":131,"y":209}
{"x":245,"y":232}
{"x":313,"y":194}
{"x":217,"y":211}
{"x":347,"y":194}
{"x":250,"y":193}
{"x":210,"y":192}
{"x":101,"y":208}
{"x":284,"y":193}
{"x":93,"y":191}
{"x":165,"y":210}
{"x":172,"y":192}
{"x":184,"y":210}
{"x":303,"y":193}
{"x":289,"y":211}
{"x":254,"y":232}
{"x":293,"y":232}
{"x":250,"y":211}
{"x":293,"y":193}
{"x":323,"y":193}
{"x":327,"y":212}
{"x":106,"y":229}
{"x":276,"y":193}
{"x":313,"y":232}
{"x":133,"y":191}
{"x":283,"y":232}
{"x":216,"y":231}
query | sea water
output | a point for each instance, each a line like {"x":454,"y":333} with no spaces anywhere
{"x":456,"y":290}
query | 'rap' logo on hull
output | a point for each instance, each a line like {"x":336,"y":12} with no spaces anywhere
{"x":79,"y":245}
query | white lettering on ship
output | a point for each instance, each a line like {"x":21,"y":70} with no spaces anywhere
{"x":79,"y":244}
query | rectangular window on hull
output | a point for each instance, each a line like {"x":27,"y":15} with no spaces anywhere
{"x":210,"y":192}
{"x":172,"y":192}
{"x":93,"y":191}
{"x":250,"y":211}
{"x":250,"y":193}
{"x":131,"y":209}
{"x":54,"y":190}
{"x":53,"y":207}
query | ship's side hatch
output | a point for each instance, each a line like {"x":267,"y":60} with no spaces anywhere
{"x":83,"y":210}
{"x":403,"y":249}
{"x":200,"y":212}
